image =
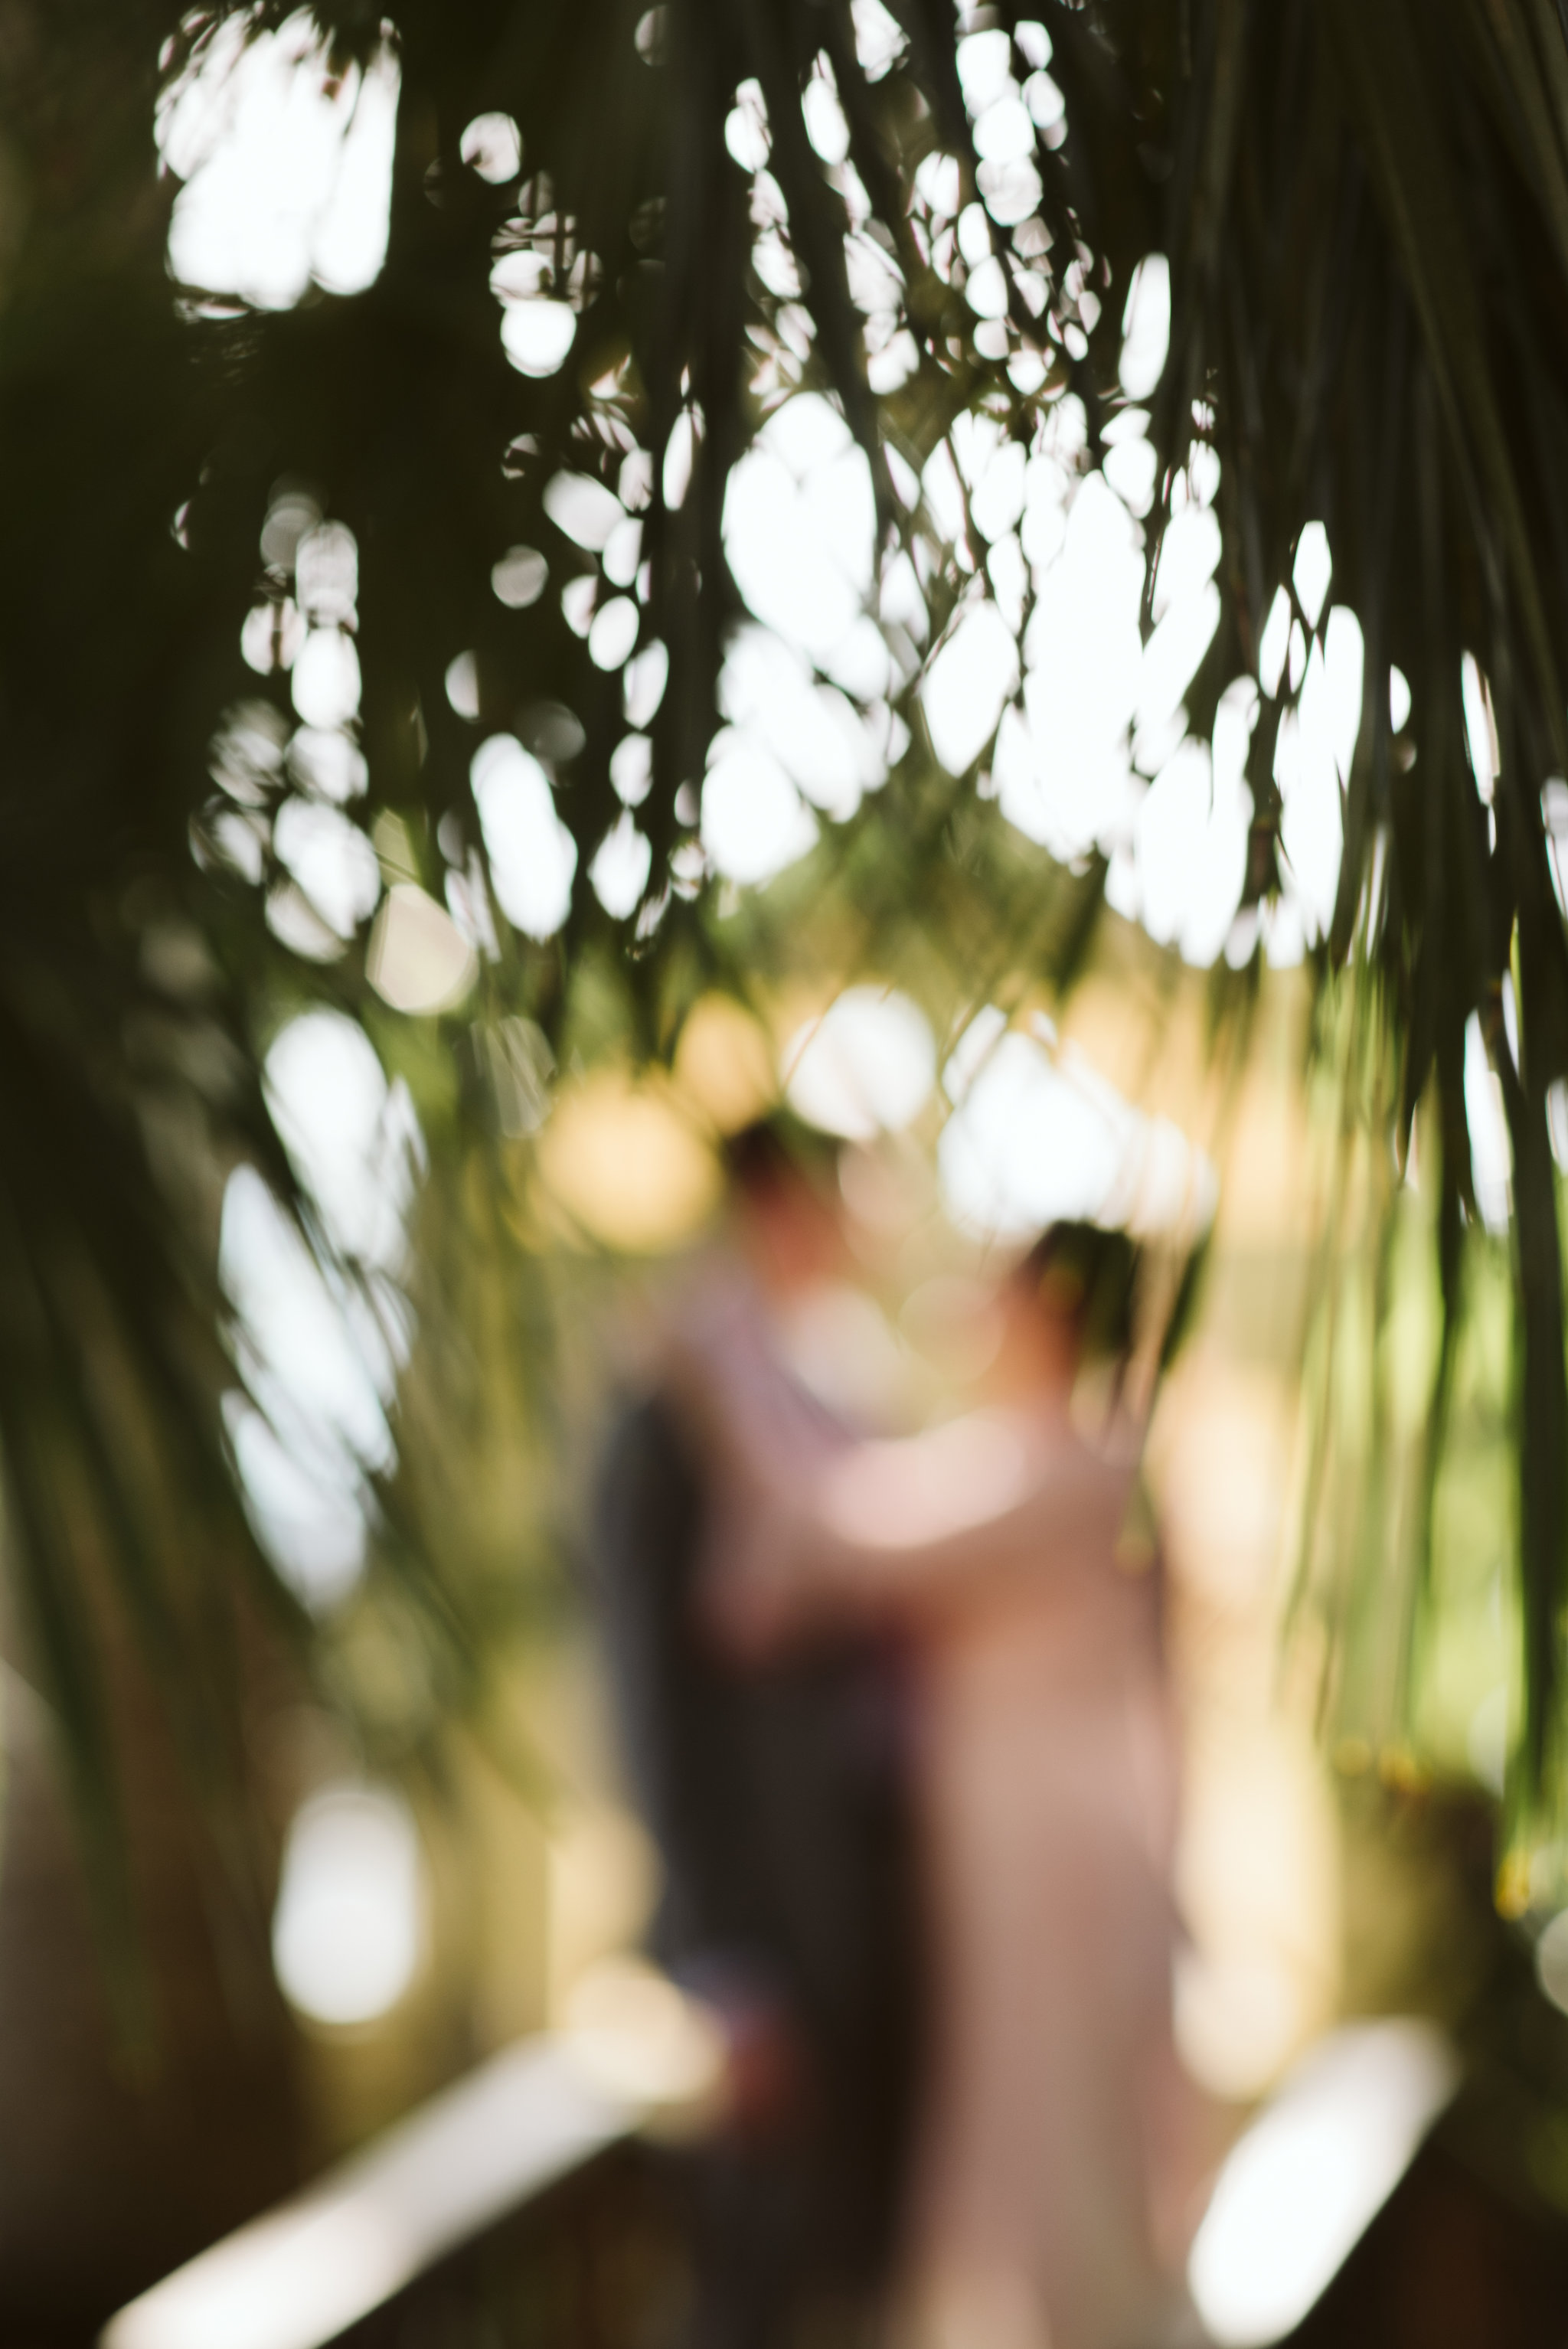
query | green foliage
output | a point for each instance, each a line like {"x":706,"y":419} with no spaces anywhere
{"x":1364,"y":210}
{"x":1365,"y":229}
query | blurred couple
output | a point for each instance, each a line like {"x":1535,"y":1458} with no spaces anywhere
{"x":897,"y":1712}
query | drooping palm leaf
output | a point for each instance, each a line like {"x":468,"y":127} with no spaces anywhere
{"x":123,"y":1026}
{"x":1365,"y":216}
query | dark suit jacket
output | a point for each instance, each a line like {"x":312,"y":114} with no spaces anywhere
{"x":777,"y":1798}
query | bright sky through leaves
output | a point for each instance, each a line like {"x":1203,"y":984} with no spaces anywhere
{"x":288,"y":174}
{"x":288,"y":179}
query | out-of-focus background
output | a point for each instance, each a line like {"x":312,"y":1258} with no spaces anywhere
{"x":566,"y":587}
{"x":440,"y":1895}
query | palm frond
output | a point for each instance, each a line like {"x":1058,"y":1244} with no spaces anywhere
{"x":1364,"y":214}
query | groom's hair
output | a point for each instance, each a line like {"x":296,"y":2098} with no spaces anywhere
{"x":775,"y":1151}
{"x":1086,"y":1275}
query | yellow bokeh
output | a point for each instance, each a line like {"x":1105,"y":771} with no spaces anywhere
{"x":624,"y":1161}
{"x":725,"y":1064}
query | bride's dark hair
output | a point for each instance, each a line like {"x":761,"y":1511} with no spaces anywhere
{"x":1086,"y":1275}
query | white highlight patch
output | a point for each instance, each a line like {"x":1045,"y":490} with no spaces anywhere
{"x":800,"y":528}
{"x":492,"y":146}
{"x":1312,"y":763}
{"x":866,"y":1067}
{"x":348,"y":1926}
{"x":1306,"y":2180}
{"x":584,"y":509}
{"x":619,"y":872}
{"x":352,"y":1137}
{"x":325,"y":682}
{"x":331,"y":859}
{"x":419,"y":960}
{"x":1037,"y":1137}
{"x":1192,"y":832}
{"x":754,"y":821}
{"x":533,"y":856}
{"x":1492,"y":1151}
{"x":1312,"y":570}
{"x":1146,"y":327}
{"x":967,"y":685}
{"x":288,"y":175}
{"x":537,"y":333}
{"x":303,"y":2273}
{"x":320,"y":1355}
{"x":766,"y":691}
{"x":1029,"y":1145}
{"x":1063,"y":776}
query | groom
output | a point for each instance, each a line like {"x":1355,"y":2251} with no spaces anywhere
{"x":776,"y":1796}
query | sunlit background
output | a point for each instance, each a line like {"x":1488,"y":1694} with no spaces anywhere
{"x":424,"y":1921}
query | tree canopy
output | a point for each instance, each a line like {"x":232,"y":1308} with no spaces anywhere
{"x":487,"y":491}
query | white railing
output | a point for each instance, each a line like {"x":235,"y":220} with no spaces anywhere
{"x":301,"y":2274}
